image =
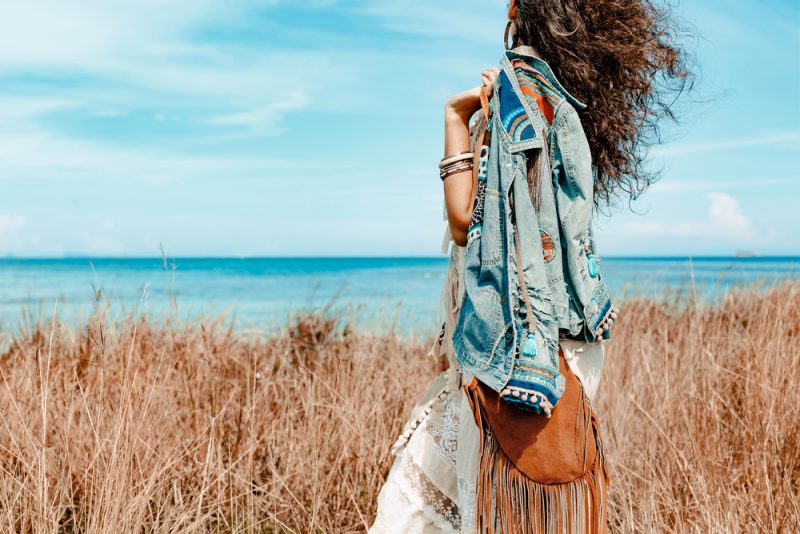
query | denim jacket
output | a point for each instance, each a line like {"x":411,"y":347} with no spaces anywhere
{"x":531,"y":115}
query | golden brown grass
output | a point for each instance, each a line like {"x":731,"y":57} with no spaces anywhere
{"x":130,"y":427}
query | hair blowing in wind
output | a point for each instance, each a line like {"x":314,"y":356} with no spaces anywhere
{"x":622,"y":58}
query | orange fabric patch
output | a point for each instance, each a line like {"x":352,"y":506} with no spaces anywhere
{"x":537,"y":89}
{"x":548,"y":247}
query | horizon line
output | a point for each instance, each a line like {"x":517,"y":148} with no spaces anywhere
{"x":385,"y":257}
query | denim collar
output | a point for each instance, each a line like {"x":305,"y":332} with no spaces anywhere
{"x":528,"y":54}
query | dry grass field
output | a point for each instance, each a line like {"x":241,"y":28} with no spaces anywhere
{"x":132,"y":427}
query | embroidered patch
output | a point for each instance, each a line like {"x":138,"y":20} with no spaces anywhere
{"x":475,"y":224}
{"x":473,"y":234}
{"x":483,"y":164}
{"x":599,"y":305}
{"x":537,"y":89}
{"x":515,"y":119}
{"x":548,"y":247}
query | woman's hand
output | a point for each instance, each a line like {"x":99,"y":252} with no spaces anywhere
{"x":461,"y":106}
{"x":489,"y":77}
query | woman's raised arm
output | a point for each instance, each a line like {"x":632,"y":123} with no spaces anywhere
{"x":458,"y":187}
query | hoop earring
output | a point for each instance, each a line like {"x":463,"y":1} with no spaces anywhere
{"x":511,"y":30}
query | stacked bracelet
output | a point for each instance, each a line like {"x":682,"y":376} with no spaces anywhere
{"x":454,"y":169}
{"x":455,"y":158}
{"x":455,"y":163}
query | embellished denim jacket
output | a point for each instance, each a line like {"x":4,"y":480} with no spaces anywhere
{"x":545,"y":235}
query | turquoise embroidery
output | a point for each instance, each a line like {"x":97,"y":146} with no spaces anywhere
{"x":515,"y":119}
{"x":594,"y":271}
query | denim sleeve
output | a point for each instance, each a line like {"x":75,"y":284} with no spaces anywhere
{"x":574,"y":185}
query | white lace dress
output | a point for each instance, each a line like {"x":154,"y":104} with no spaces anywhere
{"x":431,"y":485}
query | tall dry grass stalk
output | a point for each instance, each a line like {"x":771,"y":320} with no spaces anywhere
{"x":136,"y":428}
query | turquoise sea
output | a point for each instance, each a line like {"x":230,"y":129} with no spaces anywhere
{"x":260,"y":293}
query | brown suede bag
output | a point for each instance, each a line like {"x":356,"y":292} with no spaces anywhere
{"x":535,"y":472}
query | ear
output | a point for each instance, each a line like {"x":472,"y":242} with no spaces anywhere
{"x":512,"y":10}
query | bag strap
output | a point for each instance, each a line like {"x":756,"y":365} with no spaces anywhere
{"x":482,"y":138}
{"x":485,"y":104}
{"x":534,"y":177}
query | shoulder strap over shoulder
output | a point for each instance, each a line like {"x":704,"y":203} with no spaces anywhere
{"x":482,"y":136}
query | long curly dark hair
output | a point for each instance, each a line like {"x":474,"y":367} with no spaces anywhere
{"x":625,"y":60}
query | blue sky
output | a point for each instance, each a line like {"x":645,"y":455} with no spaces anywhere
{"x":280,"y":128}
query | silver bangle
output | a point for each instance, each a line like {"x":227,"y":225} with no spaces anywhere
{"x":455,"y":169}
{"x":455,"y":158}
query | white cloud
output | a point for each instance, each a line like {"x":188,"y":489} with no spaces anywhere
{"x":31,"y":151}
{"x":15,"y":111}
{"x":725,"y":217}
{"x":790,"y":139}
{"x":265,"y":117}
{"x":93,"y":34}
{"x":145,"y":54}
{"x":40,"y":154}
{"x":724,"y":221}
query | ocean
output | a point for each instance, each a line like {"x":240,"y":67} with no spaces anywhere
{"x":377,"y":294}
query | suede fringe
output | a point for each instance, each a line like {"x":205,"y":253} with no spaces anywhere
{"x":511,"y":503}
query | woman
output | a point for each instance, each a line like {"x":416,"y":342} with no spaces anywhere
{"x":506,"y":439}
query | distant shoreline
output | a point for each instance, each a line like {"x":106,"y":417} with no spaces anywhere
{"x":402,"y":291}
{"x":743,"y":258}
